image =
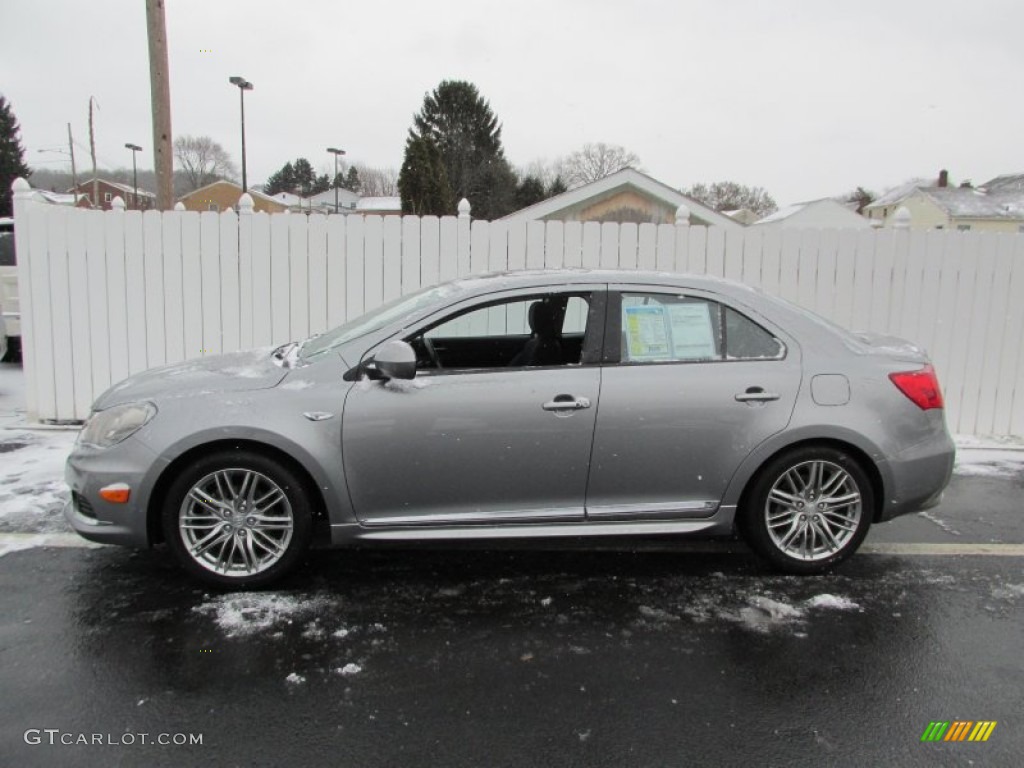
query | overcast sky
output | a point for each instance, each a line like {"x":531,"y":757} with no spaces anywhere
{"x":804,"y":98}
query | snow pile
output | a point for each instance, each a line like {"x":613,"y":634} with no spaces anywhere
{"x":755,"y":610}
{"x":1008,"y":592}
{"x":835,"y":602}
{"x":243,"y":614}
{"x":349,"y":670}
{"x":295,"y":678}
{"x":32,"y":488}
{"x":763,"y":614}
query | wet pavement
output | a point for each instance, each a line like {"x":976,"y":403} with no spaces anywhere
{"x":512,"y":657}
{"x":636,"y":653}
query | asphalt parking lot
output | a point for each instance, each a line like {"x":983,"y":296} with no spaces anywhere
{"x":637,"y":654}
{"x":653,"y":653}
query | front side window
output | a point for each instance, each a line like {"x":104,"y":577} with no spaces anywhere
{"x":659,"y":328}
{"x":521,"y":332}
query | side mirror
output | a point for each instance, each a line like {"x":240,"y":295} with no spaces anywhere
{"x":396,"y":360}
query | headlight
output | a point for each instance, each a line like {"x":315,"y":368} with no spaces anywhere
{"x":110,"y":427}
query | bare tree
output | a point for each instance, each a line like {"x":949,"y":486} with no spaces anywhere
{"x":377,"y":182}
{"x":730,"y":196}
{"x":595,"y":161}
{"x":549,"y":173}
{"x":203,"y":160}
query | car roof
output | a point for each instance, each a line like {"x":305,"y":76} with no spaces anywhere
{"x":569,"y":276}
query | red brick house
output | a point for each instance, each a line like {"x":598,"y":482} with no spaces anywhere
{"x":108,"y":190}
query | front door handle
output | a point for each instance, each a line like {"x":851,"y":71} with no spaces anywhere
{"x":566,"y":403}
{"x":756,"y":395}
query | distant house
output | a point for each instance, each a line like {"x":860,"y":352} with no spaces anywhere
{"x":814,"y":214}
{"x":624,"y":196}
{"x":53,"y":198}
{"x":324,"y":201}
{"x":744,"y":216}
{"x":995,"y":206}
{"x":221,"y":195}
{"x":108,"y":190}
{"x":379,"y":206}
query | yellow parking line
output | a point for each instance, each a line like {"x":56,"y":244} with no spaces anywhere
{"x":944,"y":549}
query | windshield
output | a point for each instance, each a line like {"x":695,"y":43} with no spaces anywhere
{"x":373,"y":320}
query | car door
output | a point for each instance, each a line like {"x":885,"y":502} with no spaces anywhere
{"x":690,"y":386}
{"x":481,"y":442}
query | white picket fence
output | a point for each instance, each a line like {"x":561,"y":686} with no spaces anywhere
{"x":107,"y":294}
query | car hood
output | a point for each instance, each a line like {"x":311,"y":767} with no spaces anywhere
{"x":237,"y":372}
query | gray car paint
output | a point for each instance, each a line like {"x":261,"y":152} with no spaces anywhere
{"x":248,"y":397}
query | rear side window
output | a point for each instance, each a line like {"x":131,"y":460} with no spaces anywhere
{"x":746,"y":340}
{"x":675,"y":328}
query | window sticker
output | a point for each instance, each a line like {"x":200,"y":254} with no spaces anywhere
{"x":693,"y":337}
{"x":647,"y":333}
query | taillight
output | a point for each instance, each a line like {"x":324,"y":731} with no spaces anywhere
{"x":921,"y":386}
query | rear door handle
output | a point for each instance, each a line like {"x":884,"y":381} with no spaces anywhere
{"x":566,"y":403}
{"x":756,"y":395}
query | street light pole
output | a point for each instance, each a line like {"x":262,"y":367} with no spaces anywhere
{"x":135,"y":176}
{"x":336,"y":152}
{"x":243,"y":86}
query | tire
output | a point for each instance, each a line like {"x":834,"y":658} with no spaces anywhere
{"x":808,"y":509}
{"x":210,"y":528}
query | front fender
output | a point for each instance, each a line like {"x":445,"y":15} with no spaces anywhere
{"x":329,"y":480}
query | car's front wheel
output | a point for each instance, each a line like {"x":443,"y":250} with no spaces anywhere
{"x":237,"y":519}
{"x":808,"y":509}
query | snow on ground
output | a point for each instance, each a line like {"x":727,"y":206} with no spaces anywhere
{"x":836,"y":602}
{"x":15,"y":542}
{"x":32,"y":489}
{"x":981,"y":462}
{"x":241,"y":614}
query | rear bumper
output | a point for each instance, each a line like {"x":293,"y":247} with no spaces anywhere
{"x":917,"y":477}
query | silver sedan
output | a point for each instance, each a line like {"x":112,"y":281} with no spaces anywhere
{"x":525,"y":405}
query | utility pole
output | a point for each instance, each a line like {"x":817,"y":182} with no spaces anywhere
{"x":92,"y":151}
{"x":160,"y":96}
{"x":74,"y":175}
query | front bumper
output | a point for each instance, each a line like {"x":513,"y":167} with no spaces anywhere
{"x":88,"y":470}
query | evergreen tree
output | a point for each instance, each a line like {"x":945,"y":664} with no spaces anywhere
{"x":12,"y":156}
{"x":322,"y":184}
{"x":529,"y":191}
{"x":305,"y":177}
{"x":461,"y":124}
{"x":352,"y":183}
{"x":556,"y":187}
{"x":282,"y":180}
{"x":423,"y":180}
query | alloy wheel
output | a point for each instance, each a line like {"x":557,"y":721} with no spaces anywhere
{"x":813,"y":510}
{"x":236,"y":522}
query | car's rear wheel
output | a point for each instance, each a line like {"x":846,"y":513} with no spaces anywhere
{"x":237,"y":519}
{"x":809,"y":509}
